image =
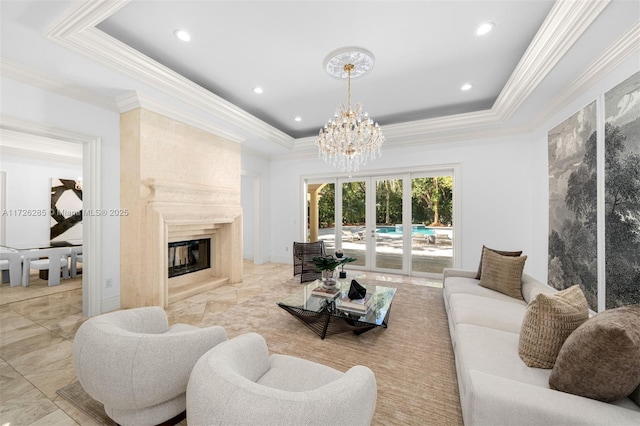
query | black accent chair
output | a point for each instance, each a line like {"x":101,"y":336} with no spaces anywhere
{"x":303,"y":265}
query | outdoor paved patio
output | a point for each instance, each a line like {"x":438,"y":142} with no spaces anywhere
{"x":426,"y":257}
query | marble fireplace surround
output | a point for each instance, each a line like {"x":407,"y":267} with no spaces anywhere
{"x":180,"y":211}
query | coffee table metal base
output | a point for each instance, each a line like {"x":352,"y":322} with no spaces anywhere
{"x":324,"y":324}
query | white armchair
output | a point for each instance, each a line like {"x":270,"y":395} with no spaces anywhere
{"x":53,"y":259}
{"x":11,"y":267}
{"x":238,"y":383}
{"x":138,"y":366}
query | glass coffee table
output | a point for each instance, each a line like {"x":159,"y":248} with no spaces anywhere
{"x":324,"y":315}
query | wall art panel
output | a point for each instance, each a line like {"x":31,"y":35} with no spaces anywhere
{"x":622,"y":193}
{"x":573,"y":204}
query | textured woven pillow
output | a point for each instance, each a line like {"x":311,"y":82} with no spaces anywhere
{"x":502,"y":273}
{"x":601,"y":359}
{"x":549,"y":320}
{"x":504,"y":253}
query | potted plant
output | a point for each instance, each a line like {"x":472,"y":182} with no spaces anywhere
{"x":327,"y":265}
{"x":344,"y":261}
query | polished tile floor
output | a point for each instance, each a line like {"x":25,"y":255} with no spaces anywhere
{"x":37,"y":327}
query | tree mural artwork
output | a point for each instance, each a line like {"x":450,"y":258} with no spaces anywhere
{"x":622,"y":218}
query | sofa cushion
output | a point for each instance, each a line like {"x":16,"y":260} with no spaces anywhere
{"x":601,"y":358}
{"x":502,"y":252}
{"x":493,"y":352}
{"x":487,"y":312}
{"x":547,"y":323}
{"x":457,"y":285}
{"x":502,"y":273}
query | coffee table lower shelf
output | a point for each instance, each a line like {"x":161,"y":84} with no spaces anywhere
{"x":324,"y":324}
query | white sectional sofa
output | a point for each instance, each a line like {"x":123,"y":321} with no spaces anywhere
{"x":496,"y":386}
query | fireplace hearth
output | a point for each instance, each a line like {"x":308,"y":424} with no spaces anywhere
{"x":186,"y":257}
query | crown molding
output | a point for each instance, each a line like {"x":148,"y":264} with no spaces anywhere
{"x":27,"y":75}
{"x":305,"y":147}
{"x":76,"y":31}
{"x":432,"y":130}
{"x":133,"y":100}
{"x":566,"y":22}
{"x":627,"y":45}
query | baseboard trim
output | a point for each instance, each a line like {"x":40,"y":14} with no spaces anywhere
{"x":110,"y":304}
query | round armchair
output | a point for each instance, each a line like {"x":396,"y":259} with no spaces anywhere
{"x":238,"y":383}
{"x":138,"y":366}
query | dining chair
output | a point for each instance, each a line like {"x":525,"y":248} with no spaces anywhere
{"x":76,"y":257}
{"x":52,"y":259}
{"x":11,"y":267}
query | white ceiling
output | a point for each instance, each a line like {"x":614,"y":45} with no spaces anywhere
{"x":424,"y":51}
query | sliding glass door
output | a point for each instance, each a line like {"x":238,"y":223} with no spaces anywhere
{"x":401,"y":223}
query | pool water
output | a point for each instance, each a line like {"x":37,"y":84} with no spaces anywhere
{"x":397,"y":230}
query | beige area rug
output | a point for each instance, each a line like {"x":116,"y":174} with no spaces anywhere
{"x":75,"y":394}
{"x":412,"y":359}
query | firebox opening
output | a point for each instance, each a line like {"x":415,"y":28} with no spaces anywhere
{"x":190,"y":256}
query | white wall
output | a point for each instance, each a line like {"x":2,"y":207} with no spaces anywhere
{"x":28,"y":186}
{"x":494,"y":185}
{"x":256,"y":207}
{"x":49,"y":109}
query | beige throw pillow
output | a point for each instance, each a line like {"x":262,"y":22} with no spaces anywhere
{"x":601,"y":359}
{"x":549,"y":320}
{"x":502,"y":252}
{"x":502,"y":273}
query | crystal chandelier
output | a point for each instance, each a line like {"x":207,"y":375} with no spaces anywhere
{"x":351,"y":138}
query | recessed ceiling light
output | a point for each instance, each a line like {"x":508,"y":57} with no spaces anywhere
{"x":182,"y":35}
{"x":298,"y":118}
{"x":485,"y":28}
{"x":466,"y":86}
{"x":258,"y":90}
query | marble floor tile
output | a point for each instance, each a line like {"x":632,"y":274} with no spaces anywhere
{"x":17,"y":345}
{"x":48,"y":382}
{"x":57,"y":418}
{"x":12,"y":335}
{"x":36,"y":288}
{"x":22,"y":403}
{"x":55,"y":356}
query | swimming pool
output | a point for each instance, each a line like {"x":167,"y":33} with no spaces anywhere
{"x":397,"y":230}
